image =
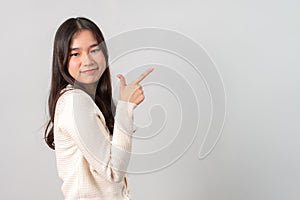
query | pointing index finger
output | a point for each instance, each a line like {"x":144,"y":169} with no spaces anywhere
{"x":143,"y":75}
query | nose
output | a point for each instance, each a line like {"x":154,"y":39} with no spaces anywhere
{"x":87,"y":60}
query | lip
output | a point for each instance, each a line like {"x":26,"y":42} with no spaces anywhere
{"x":89,"y":71}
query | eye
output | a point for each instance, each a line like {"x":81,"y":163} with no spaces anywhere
{"x":74,"y":54}
{"x":95,"y":50}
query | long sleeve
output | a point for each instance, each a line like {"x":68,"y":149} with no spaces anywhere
{"x":78,"y":115}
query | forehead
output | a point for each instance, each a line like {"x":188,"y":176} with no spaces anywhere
{"x":83,"y":38}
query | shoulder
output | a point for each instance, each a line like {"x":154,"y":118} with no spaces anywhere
{"x":69,"y":93}
{"x":72,"y":93}
{"x":74,"y":98}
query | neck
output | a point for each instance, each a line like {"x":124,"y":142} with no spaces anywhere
{"x":89,"y":88}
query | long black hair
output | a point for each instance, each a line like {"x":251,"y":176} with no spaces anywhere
{"x":61,"y":77}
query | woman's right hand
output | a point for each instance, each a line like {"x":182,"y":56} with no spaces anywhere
{"x":133,"y":92}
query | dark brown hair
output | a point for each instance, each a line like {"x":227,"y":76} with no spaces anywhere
{"x":61,"y":77}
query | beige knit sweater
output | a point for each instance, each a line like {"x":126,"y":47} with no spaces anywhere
{"x":91,"y":163}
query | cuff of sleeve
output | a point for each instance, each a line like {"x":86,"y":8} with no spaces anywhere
{"x":126,"y":104}
{"x":124,"y":116}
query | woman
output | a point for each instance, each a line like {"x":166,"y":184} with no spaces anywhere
{"x":92,"y":146}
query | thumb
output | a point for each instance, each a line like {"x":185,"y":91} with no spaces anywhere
{"x":122,"y":80}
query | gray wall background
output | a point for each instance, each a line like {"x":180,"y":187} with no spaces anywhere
{"x":255,"y":45}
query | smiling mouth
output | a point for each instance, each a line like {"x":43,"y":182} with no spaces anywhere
{"x":89,"y":70}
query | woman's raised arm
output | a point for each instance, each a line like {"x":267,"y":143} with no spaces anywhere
{"x":78,"y":115}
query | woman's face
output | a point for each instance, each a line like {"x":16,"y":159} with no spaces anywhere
{"x":86,"y":60}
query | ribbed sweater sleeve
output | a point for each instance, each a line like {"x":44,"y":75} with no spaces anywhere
{"x":78,"y":115}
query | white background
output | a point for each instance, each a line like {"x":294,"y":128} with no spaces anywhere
{"x":255,"y":45}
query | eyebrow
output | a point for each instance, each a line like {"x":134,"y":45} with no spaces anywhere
{"x":76,"y":48}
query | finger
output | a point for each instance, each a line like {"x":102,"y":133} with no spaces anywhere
{"x":122,"y":80}
{"x":143,"y":75}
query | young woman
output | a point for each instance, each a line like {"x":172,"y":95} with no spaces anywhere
{"x":91,"y":136}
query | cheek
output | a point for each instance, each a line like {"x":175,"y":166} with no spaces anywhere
{"x":73,"y":68}
{"x":100,"y":60}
